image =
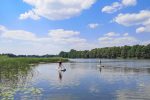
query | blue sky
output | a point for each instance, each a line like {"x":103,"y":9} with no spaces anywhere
{"x":50,"y":26}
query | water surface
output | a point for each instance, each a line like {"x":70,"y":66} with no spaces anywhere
{"x":83,"y":80}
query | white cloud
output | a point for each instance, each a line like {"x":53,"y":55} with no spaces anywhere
{"x":143,"y":29}
{"x":135,"y":19}
{"x":62,"y":36}
{"x":118,"y":5}
{"x":109,"y":40}
{"x":146,"y":42}
{"x":112,"y":8}
{"x":19,"y":34}
{"x":93,"y":25}
{"x":111,"y":34}
{"x":125,"y":34}
{"x":140,"y":29}
{"x":2,"y":29}
{"x":24,"y":42}
{"x":129,"y":2}
{"x":30,"y":14}
{"x":105,"y":39}
{"x":56,"y":9}
{"x":61,"y":33}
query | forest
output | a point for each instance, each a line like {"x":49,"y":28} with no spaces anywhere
{"x":135,"y":51}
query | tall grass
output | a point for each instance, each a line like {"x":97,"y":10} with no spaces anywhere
{"x":26,"y":61}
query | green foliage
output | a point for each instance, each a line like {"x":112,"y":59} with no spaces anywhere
{"x":26,"y":61}
{"x":136,"y":51}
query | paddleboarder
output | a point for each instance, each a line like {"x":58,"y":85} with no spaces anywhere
{"x":100,"y":61}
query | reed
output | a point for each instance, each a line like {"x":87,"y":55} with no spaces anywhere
{"x":6,"y":61}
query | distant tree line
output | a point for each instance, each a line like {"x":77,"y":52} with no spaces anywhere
{"x":35,"y":56}
{"x":135,"y":51}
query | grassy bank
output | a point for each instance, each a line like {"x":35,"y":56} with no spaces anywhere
{"x":6,"y":61}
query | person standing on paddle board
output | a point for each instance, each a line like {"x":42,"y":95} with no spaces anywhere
{"x":100,"y":61}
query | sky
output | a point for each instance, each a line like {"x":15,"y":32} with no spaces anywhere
{"x":37,"y":27}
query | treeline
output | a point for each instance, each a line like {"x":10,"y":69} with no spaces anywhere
{"x":35,"y":56}
{"x":135,"y":51}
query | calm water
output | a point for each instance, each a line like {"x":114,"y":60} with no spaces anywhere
{"x":83,"y":80}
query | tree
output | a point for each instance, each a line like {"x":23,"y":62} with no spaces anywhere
{"x":138,"y":51}
{"x":124,"y":51}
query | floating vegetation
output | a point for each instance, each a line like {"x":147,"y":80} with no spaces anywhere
{"x":23,"y":92}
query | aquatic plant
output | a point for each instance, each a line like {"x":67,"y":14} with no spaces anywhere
{"x":27,"y":61}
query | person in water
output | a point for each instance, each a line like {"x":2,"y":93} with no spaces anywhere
{"x":100,"y":61}
{"x":61,"y":67}
{"x":60,"y":64}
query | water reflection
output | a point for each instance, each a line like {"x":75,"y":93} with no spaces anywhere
{"x":142,"y":93}
{"x":127,"y":70}
{"x":100,"y":69}
{"x":60,"y":74}
{"x":120,"y":80}
{"x":14,"y":80}
{"x":16,"y":77}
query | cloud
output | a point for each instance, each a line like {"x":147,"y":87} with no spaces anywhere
{"x":141,"y":18}
{"x":111,"y":34}
{"x":65,"y":36}
{"x":20,"y":35}
{"x":146,"y":42}
{"x":56,"y":40}
{"x":135,"y":19}
{"x":24,"y":42}
{"x":129,"y":2}
{"x":117,"y":40}
{"x":53,"y":35}
{"x":29,"y":14}
{"x":143,"y":29}
{"x":61,"y":33}
{"x":16,"y":34}
{"x":126,"y":34}
{"x":55,"y":9}
{"x":140,"y":29}
{"x":2,"y":29}
{"x":114,"y":7}
{"x":93,"y":25}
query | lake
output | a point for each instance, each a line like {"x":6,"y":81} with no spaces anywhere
{"x":84,"y":79}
